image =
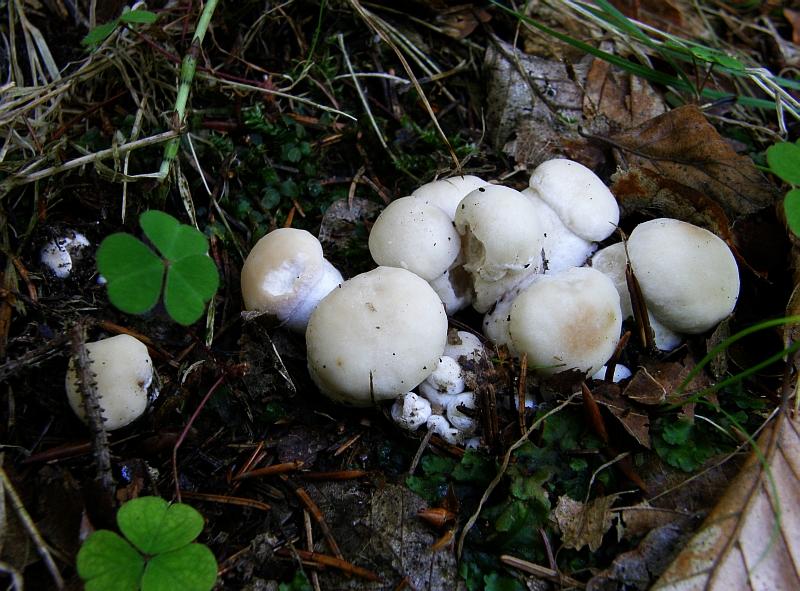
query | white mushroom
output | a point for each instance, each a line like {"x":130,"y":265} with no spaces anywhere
{"x":286,"y":276}
{"x":57,"y":254}
{"x":621,"y":372}
{"x":446,"y":194}
{"x":453,"y":288}
{"x":411,"y":411}
{"x":464,"y":344}
{"x":562,"y":247}
{"x":414,"y":235}
{"x":688,"y":275}
{"x":465,"y":424}
{"x":122,"y":372}
{"x":578,"y":196}
{"x":570,"y":320}
{"x":612,"y":261}
{"x":446,"y":381}
{"x":441,"y":427}
{"x":377,"y":336}
{"x":501,"y":240}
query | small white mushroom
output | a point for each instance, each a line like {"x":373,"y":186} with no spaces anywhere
{"x":570,"y":320}
{"x":578,"y":196}
{"x":446,"y":194}
{"x":448,"y":377}
{"x":501,"y":241}
{"x":376,"y":337}
{"x":621,"y":372}
{"x":456,"y":417}
{"x":122,"y":372}
{"x":411,"y":411}
{"x":286,"y":276}
{"x":414,"y":235}
{"x":464,"y":344}
{"x":441,"y":427}
{"x":57,"y":254}
{"x":688,"y":275}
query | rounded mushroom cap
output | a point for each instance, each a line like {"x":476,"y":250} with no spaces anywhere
{"x":570,"y":320}
{"x":282,"y":269}
{"x":413,"y":235}
{"x":580,"y":199}
{"x":123,"y":373}
{"x":387,"y":324}
{"x":688,"y":275}
{"x":447,"y":193}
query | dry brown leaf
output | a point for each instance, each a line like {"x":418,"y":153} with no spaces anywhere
{"x":655,"y":382}
{"x":635,"y":422}
{"x":624,"y":100}
{"x":672,"y":16}
{"x":584,"y":525}
{"x":683,"y":146}
{"x":751,"y":539}
{"x":793,"y":17}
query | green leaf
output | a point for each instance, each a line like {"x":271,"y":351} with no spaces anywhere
{"x":173,"y":239}
{"x":154,"y":526}
{"x":140,"y":17}
{"x":437,"y":464}
{"x":677,"y":433}
{"x":784,"y":160}
{"x":496,"y":582}
{"x":108,"y":563}
{"x":99,"y":34}
{"x":474,"y":467}
{"x":191,"y":282}
{"x":791,"y":207}
{"x":133,"y":271}
{"x":190,"y":568}
{"x":299,"y":583}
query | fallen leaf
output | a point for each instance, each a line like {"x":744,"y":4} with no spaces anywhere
{"x":635,"y":422}
{"x":793,"y":17}
{"x":655,"y":382}
{"x":751,"y":539}
{"x":667,"y":15}
{"x":642,"y":189}
{"x":584,"y":525}
{"x":459,"y":22}
{"x":642,"y":518}
{"x":624,"y":100}
{"x":683,"y":146}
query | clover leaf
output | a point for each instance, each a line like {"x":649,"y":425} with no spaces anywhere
{"x":156,"y":554}
{"x":784,"y":161}
{"x":136,"y":274}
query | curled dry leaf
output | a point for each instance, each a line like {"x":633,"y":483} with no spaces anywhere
{"x":683,"y":146}
{"x":656,"y":381}
{"x":584,"y":524}
{"x":633,"y":420}
{"x":751,"y":539}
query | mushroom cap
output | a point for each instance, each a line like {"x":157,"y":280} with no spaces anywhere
{"x":414,"y":235}
{"x":454,"y":289}
{"x":562,"y":247}
{"x":123,"y":373}
{"x":411,"y":411}
{"x":580,"y":199}
{"x":446,"y":194}
{"x":570,"y":320}
{"x":502,"y":241}
{"x":388,"y":324}
{"x":282,"y":269}
{"x":464,"y":344}
{"x":688,"y":275}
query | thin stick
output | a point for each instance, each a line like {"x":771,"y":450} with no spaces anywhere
{"x":312,"y":508}
{"x":30,"y":527}
{"x":325,"y":560}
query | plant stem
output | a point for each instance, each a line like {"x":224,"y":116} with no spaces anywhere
{"x":188,"y":68}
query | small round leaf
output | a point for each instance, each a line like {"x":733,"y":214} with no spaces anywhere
{"x":784,"y":161}
{"x":191,"y":282}
{"x":191,"y":568}
{"x":154,"y":526}
{"x":173,"y":239}
{"x":108,"y":563}
{"x":135,"y":274}
{"x":791,"y":206}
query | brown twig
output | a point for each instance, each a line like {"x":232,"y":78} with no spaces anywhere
{"x":270,"y":470}
{"x":337,"y":475}
{"x":325,"y":560}
{"x":224,"y":499}
{"x":312,"y":508}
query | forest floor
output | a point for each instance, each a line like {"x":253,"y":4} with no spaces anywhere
{"x":315,"y":115}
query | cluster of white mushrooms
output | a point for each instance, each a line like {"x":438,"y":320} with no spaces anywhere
{"x":524,"y":259}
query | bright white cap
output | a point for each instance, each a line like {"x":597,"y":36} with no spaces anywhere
{"x":57,"y":254}
{"x":570,"y":320}
{"x":411,"y":411}
{"x":456,"y":417}
{"x":387,"y":323}
{"x":621,"y":372}
{"x":413,"y":235}
{"x":285,"y":275}
{"x":562,"y":248}
{"x":448,"y":377}
{"x":453,"y":288}
{"x":441,"y":427}
{"x":612,"y":261}
{"x":464,"y":344}
{"x":578,"y":196}
{"x":447,"y":193}
{"x":123,"y":373}
{"x":688,"y":275}
{"x":502,"y":240}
